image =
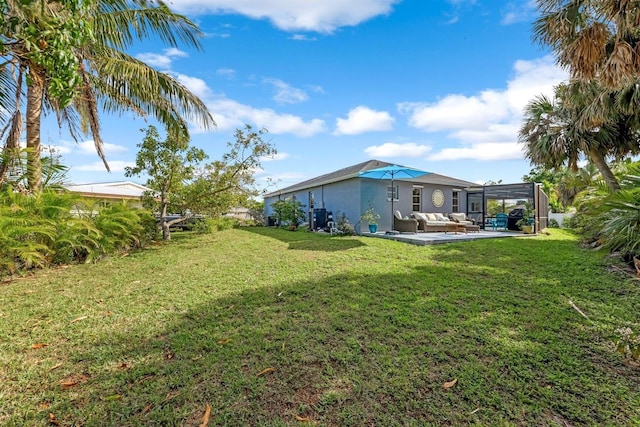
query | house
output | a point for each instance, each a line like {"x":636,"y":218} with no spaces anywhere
{"x":346,"y":193}
{"x":111,"y":191}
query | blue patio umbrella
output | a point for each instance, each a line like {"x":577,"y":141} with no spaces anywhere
{"x":392,"y":172}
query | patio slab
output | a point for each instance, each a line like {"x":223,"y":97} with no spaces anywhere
{"x":435,"y":238}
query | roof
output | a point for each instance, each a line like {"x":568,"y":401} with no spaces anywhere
{"x":119,"y":189}
{"x":353,"y":172}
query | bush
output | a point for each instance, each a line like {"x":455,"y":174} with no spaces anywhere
{"x":289,"y":213}
{"x":345,"y":226}
{"x":53,"y":227}
{"x":553,"y":223}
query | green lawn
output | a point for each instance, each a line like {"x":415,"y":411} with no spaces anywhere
{"x":351,"y":332}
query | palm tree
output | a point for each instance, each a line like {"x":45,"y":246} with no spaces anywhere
{"x":553,"y":134}
{"x":594,"y":39}
{"x":571,"y":183}
{"x":75,"y":62}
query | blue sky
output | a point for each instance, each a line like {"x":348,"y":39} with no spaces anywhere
{"x":434,"y":84}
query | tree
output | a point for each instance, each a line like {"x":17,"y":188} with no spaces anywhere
{"x":183,"y":185}
{"x":170,"y":165}
{"x":70,"y":56}
{"x":229,"y":182}
{"x":596,"y":40}
{"x":553,"y":134}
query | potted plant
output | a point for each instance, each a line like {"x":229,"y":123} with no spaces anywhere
{"x":372,"y":217}
{"x":528,"y":217}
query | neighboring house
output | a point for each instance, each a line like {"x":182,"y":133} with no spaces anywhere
{"x":111,"y":191}
{"x":239,"y":213}
{"x":344,"y":192}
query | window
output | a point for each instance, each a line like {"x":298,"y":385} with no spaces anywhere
{"x":417,"y":199}
{"x":475,"y":202}
{"x":392,"y":192}
{"x":455,"y":203}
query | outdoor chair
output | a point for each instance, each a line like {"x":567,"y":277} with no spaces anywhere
{"x":409,"y":225}
{"x":461,"y":217}
{"x":500,"y":221}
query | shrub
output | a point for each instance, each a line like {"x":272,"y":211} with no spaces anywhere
{"x":345,"y":226}
{"x":289,"y":213}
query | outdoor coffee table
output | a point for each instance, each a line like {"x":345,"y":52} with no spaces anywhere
{"x":455,"y":227}
{"x":472,"y":228}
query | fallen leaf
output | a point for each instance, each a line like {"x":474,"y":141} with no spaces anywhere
{"x":280,"y":294}
{"x":474,"y":411}
{"x":78,"y":319}
{"x":147,"y":408}
{"x":44,"y":405}
{"x":224,"y":341}
{"x":450,"y":384}
{"x":113,"y":397}
{"x":123,"y":365}
{"x":302,"y":419}
{"x":266,"y":371}
{"x":53,"y":420}
{"x":205,"y":417}
{"x":39,"y":345}
{"x":69,"y":383}
{"x":55,"y":367}
{"x":73,"y":381}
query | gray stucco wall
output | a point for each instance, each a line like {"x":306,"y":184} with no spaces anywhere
{"x":339,"y":198}
{"x":353,"y":196}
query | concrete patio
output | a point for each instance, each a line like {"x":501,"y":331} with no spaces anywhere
{"x":434,"y":238}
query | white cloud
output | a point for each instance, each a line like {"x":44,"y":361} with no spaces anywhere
{"x":302,"y":37}
{"x":515,"y":12}
{"x":392,"y":149}
{"x":363,"y":119}
{"x":226,"y":72}
{"x":285,"y":93}
{"x":87,"y":148}
{"x":481,"y":151}
{"x":275,"y":157}
{"x":162,"y":61}
{"x":115,"y":165}
{"x":486,"y":125}
{"x":324,"y":16}
{"x":197,"y":86}
{"x":230,"y":114}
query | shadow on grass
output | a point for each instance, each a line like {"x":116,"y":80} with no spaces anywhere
{"x":307,"y":241}
{"x":357,"y":349}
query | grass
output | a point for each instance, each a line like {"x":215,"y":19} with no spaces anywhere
{"x":277,"y":328}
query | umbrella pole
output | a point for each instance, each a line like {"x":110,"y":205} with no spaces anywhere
{"x":392,"y":194}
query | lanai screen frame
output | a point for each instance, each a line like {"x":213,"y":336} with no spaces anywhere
{"x":530,"y":191}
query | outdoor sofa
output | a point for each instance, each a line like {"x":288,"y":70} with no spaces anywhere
{"x":429,"y":222}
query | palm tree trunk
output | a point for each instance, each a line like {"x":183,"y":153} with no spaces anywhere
{"x":35,"y":90}
{"x":601,"y":163}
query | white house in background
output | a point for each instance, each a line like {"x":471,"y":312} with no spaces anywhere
{"x":111,"y":191}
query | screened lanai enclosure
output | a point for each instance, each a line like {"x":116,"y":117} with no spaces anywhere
{"x":484,"y":203}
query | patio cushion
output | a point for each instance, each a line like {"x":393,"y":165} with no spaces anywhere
{"x":441,"y":217}
{"x":419,"y":215}
{"x":457,"y":217}
{"x":431,"y":217}
{"x":398,"y":214}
